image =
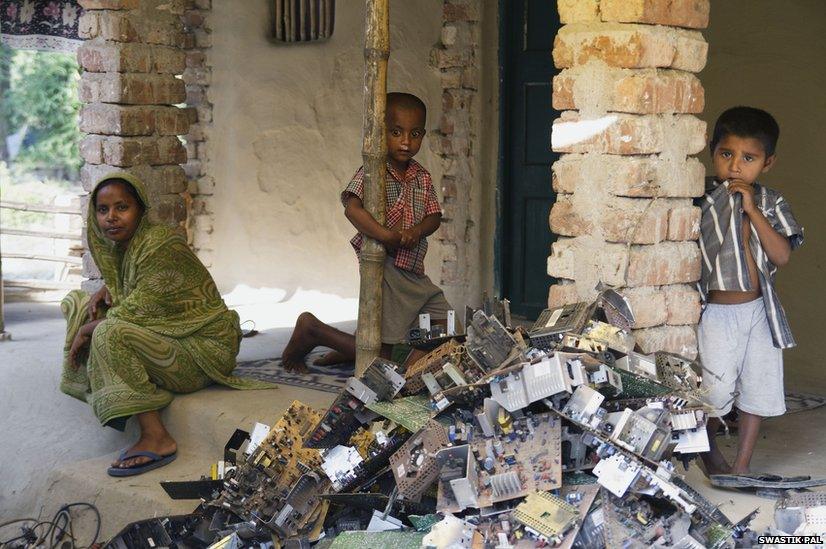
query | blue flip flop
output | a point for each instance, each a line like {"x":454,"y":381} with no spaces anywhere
{"x":157,"y":461}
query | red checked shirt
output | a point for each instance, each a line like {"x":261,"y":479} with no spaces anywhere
{"x":409,"y":198}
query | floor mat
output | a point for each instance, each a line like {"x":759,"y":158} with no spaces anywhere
{"x":330,"y":379}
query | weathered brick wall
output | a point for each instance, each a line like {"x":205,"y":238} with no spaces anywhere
{"x":456,"y":57}
{"x":626,"y":179}
{"x":197,"y":77}
{"x":129,"y":88}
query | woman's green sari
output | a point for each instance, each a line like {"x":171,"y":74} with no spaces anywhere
{"x":168,"y":329}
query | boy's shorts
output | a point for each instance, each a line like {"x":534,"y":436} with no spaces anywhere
{"x":741,"y":365}
{"x":405,"y":295}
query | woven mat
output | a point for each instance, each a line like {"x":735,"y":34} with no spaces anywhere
{"x":330,"y":379}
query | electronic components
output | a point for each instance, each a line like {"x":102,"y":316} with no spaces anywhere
{"x":566,"y":442}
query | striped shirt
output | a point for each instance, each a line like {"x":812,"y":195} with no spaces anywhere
{"x":721,"y":244}
{"x":409,"y":198}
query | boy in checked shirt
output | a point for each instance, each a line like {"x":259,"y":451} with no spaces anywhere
{"x":747,"y":231}
{"x":413,"y":214}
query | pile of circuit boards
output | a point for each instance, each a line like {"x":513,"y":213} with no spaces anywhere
{"x":560,"y":435}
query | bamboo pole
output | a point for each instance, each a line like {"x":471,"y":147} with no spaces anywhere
{"x":374,"y":154}
{"x":3,"y":333}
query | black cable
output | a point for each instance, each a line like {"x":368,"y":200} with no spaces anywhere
{"x":90,"y":506}
{"x":60,"y":526}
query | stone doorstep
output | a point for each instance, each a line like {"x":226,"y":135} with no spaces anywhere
{"x":201,"y":422}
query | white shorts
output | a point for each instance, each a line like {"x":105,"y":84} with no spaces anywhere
{"x":741,"y":365}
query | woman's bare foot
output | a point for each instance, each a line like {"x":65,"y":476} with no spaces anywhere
{"x":331,"y":358}
{"x":300,"y":344}
{"x":154,"y":438}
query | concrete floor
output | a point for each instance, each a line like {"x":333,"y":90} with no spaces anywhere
{"x":54,"y":452}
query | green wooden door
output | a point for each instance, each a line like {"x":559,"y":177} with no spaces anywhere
{"x":528,"y":28}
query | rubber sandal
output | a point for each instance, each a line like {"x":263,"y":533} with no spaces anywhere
{"x":157,"y":461}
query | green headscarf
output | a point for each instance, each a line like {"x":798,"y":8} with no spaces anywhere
{"x":176,"y":296}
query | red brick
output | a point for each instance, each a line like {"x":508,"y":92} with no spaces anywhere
{"x":683,"y":304}
{"x":628,"y":134}
{"x":172,"y":121}
{"x":99,"y":56}
{"x":460,"y":11}
{"x":619,"y":220}
{"x":681,"y":340}
{"x":195,"y":59}
{"x":648,"y":304}
{"x":572,"y":258}
{"x":168,"y":209}
{"x":114,"y":26}
{"x":684,"y":223}
{"x":200,"y":76}
{"x":119,"y":151}
{"x":131,"y":88}
{"x":91,"y":149}
{"x":449,"y":189}
{"x":159,"y":180}
{"x":109,"y":4}
{"x":563,"y":293}
{"x":577,"y":11}
{"x":676,"y":13}
{"x":193,"y":19}
{"x":165,"y":31}
{"x":632,"y":176}
{"x":203,"y":186}
{"x":629,"y":46}
{"x":664,"y":263}
{"x":451,"y":57}
{"x":108,"y":119}
{"x":640,"y":91}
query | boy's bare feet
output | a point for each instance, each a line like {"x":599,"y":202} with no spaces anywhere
{"x":715,"y":464}
{"x":301,"y":343}
{"x":713,"y":460}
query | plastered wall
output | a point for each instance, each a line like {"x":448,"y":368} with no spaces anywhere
{"x":286,"y":138}
{"x":772,"y":55}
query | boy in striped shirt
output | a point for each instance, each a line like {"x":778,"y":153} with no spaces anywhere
{"x":747,"y":231}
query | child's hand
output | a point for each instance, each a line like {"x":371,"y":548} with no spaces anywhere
{"x":746,"y":192}
{"x":392,"y":241}
{"x":410,"y":238}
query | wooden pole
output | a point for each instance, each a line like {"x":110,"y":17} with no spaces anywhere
{"x":374,"y":154}
{"x":3,"y":333}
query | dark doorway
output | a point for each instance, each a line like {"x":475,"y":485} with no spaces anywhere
{"x":527,"y":30}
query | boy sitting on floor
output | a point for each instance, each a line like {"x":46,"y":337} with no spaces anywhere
{"x":413,"y":213}
{"x":747,"y":232}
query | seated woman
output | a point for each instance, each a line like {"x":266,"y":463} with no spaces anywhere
{"x":157,"y":327}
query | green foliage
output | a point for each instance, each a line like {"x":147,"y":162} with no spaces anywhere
{"x":40,"y":94}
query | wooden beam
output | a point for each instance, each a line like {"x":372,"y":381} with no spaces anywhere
{"x":374,"y":154}
{"x":43,"y":208}
{"x":42,"y":284}
{"x":41,"y":234}
{"x":56,"y":258}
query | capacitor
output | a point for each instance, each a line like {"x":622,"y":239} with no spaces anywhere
{"x":488,"y":464}
{"x":451,"y":434}
{"x":498,"y":447}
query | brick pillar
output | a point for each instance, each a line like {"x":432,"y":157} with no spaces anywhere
{"x":626,"y":179}
{"x":197,"y":76}
{"x":456,"y":57}
{"x":129,"y":89}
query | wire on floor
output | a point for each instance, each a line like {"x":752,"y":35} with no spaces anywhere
{"x":54,"y":534}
